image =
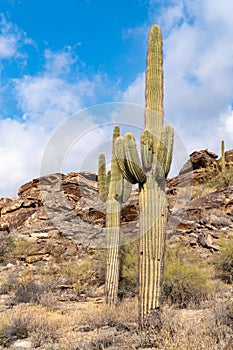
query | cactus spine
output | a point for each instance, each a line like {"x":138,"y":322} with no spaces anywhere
{"x":156,"y":154}
{"x":114,"y":190}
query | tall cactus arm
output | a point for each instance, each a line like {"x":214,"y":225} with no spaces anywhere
{"x":102,"y":181}
{"x":115,"y":186}
{"x":127,"y":190}
{"x":154,"y":83}
{"x":108,"y":179}
{"x":166,"y":147}
{"x":154,"y":71}
{"x":132,"y":159}
{"x":154,"y":87}
{"x":147,"y":149}
{"x":121,"y":159}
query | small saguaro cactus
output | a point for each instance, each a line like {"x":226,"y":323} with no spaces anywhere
{"x":223,"y":163}
{"x":115,"y":190}
{"x":150,"y":173}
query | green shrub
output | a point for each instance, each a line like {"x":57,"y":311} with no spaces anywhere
{"x":6,"y":245}
{"x":224,"y":261}
{"x":81,"y":275}
{"x":216,"y":178}
{"x":129,"y":269}
{"x":185,"y":284}
{"x":21,"y":248}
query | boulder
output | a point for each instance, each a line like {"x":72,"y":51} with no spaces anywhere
{"x":200,"y":159}
{"x":229,"y":156}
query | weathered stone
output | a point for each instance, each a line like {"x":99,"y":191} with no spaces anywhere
{"x":200,"y":159}
{"x":22,"y":344}
{"x":59,"y":205}
{"x":35,"y":258}
{"x":229,"y":156}
{"x":206,"y":241}
{"x":39,"y":234}
{"x":130,"y":213}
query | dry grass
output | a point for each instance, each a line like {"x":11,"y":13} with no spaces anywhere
{"x":88,"y":325}
{"x":101,"y":315}
{"x":25,"y":321}
{"x":71,"y":325}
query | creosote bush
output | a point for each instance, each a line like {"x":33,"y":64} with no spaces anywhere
{"x":215,"y":178}
{"x":128,"y":285}
{"x":7,"y":245}
{"x":224,"y":261}
{"x":185,"y":284}
{"x":86,"y":275}
{"x":29,"y":292}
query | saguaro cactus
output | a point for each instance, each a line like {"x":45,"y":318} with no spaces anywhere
{"x":114,"y":190}
{"x":156,"y":154}
{"x":223,"y":163}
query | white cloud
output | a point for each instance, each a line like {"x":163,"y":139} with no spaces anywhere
{"x":20,"y":154}
{"x":8,"y":39}
{"x":54,"y":94}
{"x":58,"y":63}
{"x":198,"y":68}
{"x":198,"y":76}
{"x":11,"y":40}
{"x":7,"y":46}
{"x":225,"y":127}
{"x":51,"y":99}
{"x":46,"y":100}
{"x":135,"y":92}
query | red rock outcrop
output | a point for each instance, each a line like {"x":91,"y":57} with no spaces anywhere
{"x":68,"y":205}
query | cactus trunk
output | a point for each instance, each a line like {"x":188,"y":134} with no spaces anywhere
{"x":156,"y":154}
{"x":153,"y":215}
{"x":114,"y":190}
{"x":113,"y":209}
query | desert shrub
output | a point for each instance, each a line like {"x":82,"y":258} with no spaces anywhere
{"x":81,"y":275}
{"x":98,"y":262}
{"x":48,"y":300}
{"x":29,"y":292}
{"x":129,"y":269}
{"x":185,"y":284}
{"x":222,"y":313}
{"x":21,"y":323}
{"x":216,"y":178}
{"x":101,"y":343}
{"x":224,"y":261}
{"x":13,"y":328}
{"x":9,"y":283}
{"x":21,"y":248}
{"x":102,"y":315}
{"x":180,"y":329}
{"x":43,"y":331}
{"x":99,"y":317}
{"x":6,"y":245}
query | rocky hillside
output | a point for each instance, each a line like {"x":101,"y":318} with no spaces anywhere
{"x":68,"y":206}
{"x":52,"y":274}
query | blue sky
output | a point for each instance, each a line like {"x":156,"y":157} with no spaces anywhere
{"x":58,"y":58}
